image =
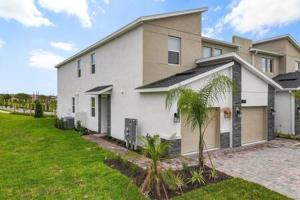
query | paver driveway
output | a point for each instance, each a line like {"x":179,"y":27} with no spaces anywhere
{"x":275,"y":165}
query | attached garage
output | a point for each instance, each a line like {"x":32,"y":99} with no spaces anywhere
{"x":253,"y":124}
{"x":190,"y":138}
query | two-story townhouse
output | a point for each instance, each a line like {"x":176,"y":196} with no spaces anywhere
{"x":128,"y":74}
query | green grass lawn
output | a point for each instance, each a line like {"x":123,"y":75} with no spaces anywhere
{"x":38,"y":161}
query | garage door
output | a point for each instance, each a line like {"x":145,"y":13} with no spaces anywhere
{"x":254,"y":124}
{"x":190,"y":138}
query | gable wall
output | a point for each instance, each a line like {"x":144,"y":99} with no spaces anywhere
{"x":155,"y":45}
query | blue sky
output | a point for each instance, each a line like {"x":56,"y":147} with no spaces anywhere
{"x":36,"y":34}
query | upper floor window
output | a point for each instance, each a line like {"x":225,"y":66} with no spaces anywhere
{"x":218,"y":52}
{"x":207,"y":52}
{"x":267,"y":65}
{"x":93,"y":65}
{"x":297,"y":65}
{"x":78,"y":68}
{"x":73,"y":104}
{"x":174,"y":46}
{"x":93,"y":106}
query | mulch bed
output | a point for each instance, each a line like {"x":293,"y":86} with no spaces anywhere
{"x":138,"y":175}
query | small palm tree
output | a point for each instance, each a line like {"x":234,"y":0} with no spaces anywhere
{"x":194,"y":105}
{"x":155,"y":149}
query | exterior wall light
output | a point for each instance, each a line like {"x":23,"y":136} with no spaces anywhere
{"x":238,"y":112}
{"x":273,"y":111}
{"x":298,"y":109}
{"x":176,"y":118}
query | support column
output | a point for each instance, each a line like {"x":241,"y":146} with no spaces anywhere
{"x":297,"y":117}
{"x":271,"y":114}
{"x":236,"y":105}
{"x":109,"y":115}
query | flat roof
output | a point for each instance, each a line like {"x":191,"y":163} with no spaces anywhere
{"x":220,"y":42}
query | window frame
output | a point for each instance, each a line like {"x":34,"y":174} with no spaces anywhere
{"x":221,"y":51}
{"x":93,"y":63}
{"x":174,"y":51}
{"x":297,"y":65}
{"x":93,"y":106}
{"x":267,"y":65}
{"x":73,"y":105}
{"x":211,"y":51}
{"x":78,"y":68}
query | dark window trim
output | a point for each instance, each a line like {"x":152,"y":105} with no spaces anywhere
{"x":221,"y":50}
{"x":73,"y":104}
{"x":78,"y":68}
{"x":268,"y":68}
{"x":211,"y":51}
{"x":93,"y":64}
{"x":178,"y":52}
{"x":93,"y":107}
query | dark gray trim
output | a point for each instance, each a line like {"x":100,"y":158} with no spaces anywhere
{"x":297,"y":117}
{"x":99,"y":113}
{"x":108,"y":115}
{"x":99,"y":88}
{"x":225,"y":140}
{"x":270,"y":113}
{"x":185,"y":75}
{"x":236,"y":105}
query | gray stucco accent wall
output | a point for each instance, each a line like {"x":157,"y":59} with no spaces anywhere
{"x":271,"y":114}
{"x":174,"y":147}
{"x":225,"y":140}
{"x":236,"y":105}
{"x":297,"y":117}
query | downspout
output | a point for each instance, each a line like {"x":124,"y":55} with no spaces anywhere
{"x":252,"y":60}
{"x":293,"y":114}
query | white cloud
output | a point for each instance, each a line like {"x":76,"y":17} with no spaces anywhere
{"x":107,"y":2}
{"x":43,"y":59}
{"x":257,"y":16}
{"x":24,"y":12}
{"x":2,"y":43}
{"x":63,"y":46}
{"x":78,"y":8}
{"x":218,"y":8}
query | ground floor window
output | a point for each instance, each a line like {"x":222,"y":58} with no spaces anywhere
{"x":93,"y":106}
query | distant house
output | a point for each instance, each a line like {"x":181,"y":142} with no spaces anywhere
{"x":127,"y":74}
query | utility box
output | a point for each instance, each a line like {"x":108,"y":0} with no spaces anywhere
{"x":69,"y":121}
{"x":130,"y":133}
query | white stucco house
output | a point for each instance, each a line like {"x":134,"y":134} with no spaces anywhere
{"x":128,"y":74}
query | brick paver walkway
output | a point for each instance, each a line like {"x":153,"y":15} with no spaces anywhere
{"x":275,"y":165}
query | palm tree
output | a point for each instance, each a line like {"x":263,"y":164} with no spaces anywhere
{"x":155,"y":149}
{"x":194,"y":105}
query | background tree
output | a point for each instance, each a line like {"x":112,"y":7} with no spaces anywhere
{"x":194,"y":106}
{"x":38,"y":112}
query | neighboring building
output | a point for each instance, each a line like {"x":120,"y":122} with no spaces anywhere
{"x":127,"y":74}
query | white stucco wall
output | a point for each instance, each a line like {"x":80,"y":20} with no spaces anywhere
{"x":225,"y":123}
{"x":254,"y":90}
{"x":285,"y":115}
{"x":119,"y":63}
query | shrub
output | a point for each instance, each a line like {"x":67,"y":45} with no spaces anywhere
{"x":213,"y":173}
{"x":197,"y":177}
{"x":38,"y":111}
{"x":173,"y":181}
